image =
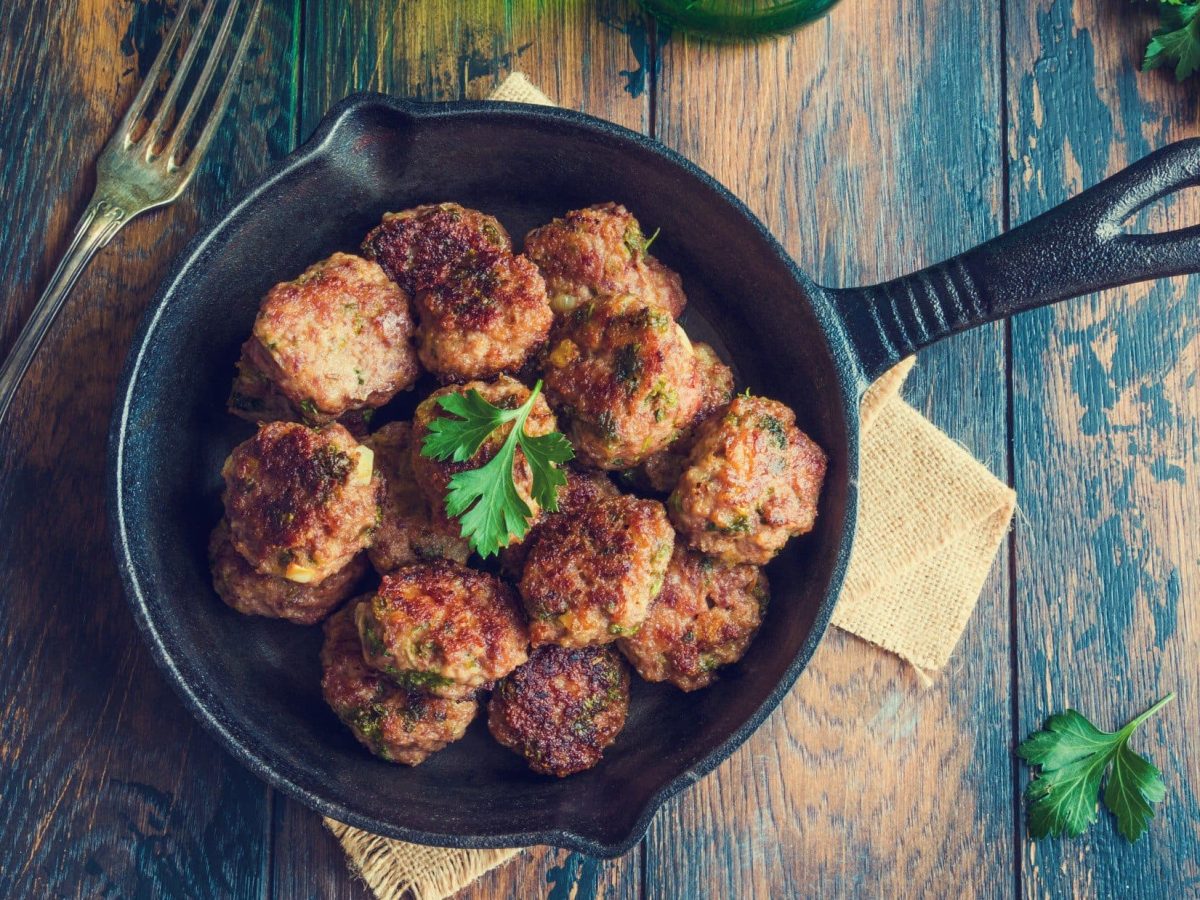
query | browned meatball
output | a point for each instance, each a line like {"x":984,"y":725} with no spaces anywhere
{"x":661,"y":471}
{"x":590,"y":577}
{"x":301,"y":503}
{"x":562,"y":709}
{"x":253,"y":594}
{"x":392,"y":722}
{"x":440,"y":625}
{"x":752,"y":482}
{"x":506,"y":393}
{"x":704,"y":618}
{"x":582,"y":489}
{"x":423,"y":247}
{"x":339,"y":337}
{"x":484,"y":320}
{"x":598,"y":252}
{"x":625,"y":378}
{"x":408,"y":531}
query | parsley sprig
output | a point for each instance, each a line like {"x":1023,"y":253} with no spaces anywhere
{"x":1177,"y":41}
{"x":1073,"y":755}
{"x":485,"y":500}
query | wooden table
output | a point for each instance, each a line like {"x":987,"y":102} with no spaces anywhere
{"x":887,"y":136}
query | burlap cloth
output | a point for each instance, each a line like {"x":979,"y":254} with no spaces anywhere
{"x":930,"y":521}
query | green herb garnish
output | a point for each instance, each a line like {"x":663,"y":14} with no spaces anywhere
{"x":1073,"y":755}
{"x":1176,"y":43}
{"x":485,"y":500}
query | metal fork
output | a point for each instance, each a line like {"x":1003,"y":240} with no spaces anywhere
{"x":138,"y":169}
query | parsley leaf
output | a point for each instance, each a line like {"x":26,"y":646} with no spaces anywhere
{"x":485,"y":500}
{"x":1177,"y":41}
{"x":1073,"y":755}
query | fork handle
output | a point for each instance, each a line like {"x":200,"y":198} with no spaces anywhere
{"x":102,"y":219}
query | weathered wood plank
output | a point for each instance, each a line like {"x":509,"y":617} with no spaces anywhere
{"x":866,"y":164}
{"x":1107,"y":442}
{"x":577,"y":51}
{"x":109,"y":787}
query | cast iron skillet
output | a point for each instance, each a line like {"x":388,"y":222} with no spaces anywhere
{"x":255,"y":683}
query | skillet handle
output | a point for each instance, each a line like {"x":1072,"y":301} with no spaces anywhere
{"x":1074,"y":249}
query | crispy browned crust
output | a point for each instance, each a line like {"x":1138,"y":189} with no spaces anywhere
{"x":751,"y":483}
{"x":439,"y":624}
{"x":253,"y":594}
{"x":590,"y":577}
{"x":591,"y":254}
{"x":704,"y":618}
{"x":625,"y":378}
{"x":408,"y":530}
{"x":562,"y":709}
{"x":392,"y":722}
{"x":290,"y":498}
{"x":424,"y":247}
{"x":338,"y":338}
{"x":583,"y":488}
{"x":433,"y":476}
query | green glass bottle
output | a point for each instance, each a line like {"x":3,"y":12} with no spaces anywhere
{"x":736,"y":18}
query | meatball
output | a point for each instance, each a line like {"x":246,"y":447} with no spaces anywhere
{"x":301,"y":502}
{"x":422,"y":248}
{"x":752,"y":482}
{"x":392,"y":722}
{"x":339,"y":337}
{"x":408,"y":531}
{"x":582,"y":489}
{"x":595,"y":253}
{"x":625,"y":377}
{"x":254,"y":396}
{"x":484,"y":320}
{"x":439,"y":625}
{"x":506,"y":393}
{"x":590,"y":577}
{"x":562,"y":709}
{"x":661,"y":471}
{"x":253,"y":594}
{"x":704,"y":618}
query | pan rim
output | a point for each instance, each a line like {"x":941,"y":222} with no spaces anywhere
{"x":574,"y":837}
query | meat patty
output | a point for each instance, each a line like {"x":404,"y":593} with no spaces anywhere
{"x":301,"y":502}
{"x":253,"y":594}
{"x":408,"y":531}
{"x":705,"y":617}
{"x":392,"y":722}
{"x":751,"y":483}
{"x":583,"y":488}
{"x":439,"y":625}
{"x":660,"y":472}
{"x":423,"y":247}
{"x":590,"y":577}
{"x":434,"y":476}
{"x":484,"y":320}
{"x":625,"y":378}
{"x":562,"y":709}
{"x":339,"y":337}
{"x":483,"y":310}
{"x":591,"y":254}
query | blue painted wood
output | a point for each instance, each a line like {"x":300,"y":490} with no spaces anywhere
{"x":867,"y":164}
{"x":109,"y":788}
{"x":1106,"y":446}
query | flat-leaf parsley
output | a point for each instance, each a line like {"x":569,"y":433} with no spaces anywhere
{"x":1177,"y":42}
{"x":1073,"y":755}
{"x":485,"y":500}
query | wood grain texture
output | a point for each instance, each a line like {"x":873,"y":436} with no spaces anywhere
{"x":109,"y":786}
{"x":1106,"y":419}
{"x":862,"y":782}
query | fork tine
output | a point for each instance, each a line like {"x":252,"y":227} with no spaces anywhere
{"x":218,"y":109}
{"x":138,"y":107}
{"x":165,"y":107}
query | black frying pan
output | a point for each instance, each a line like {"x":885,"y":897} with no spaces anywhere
{"x":255,"y":683}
